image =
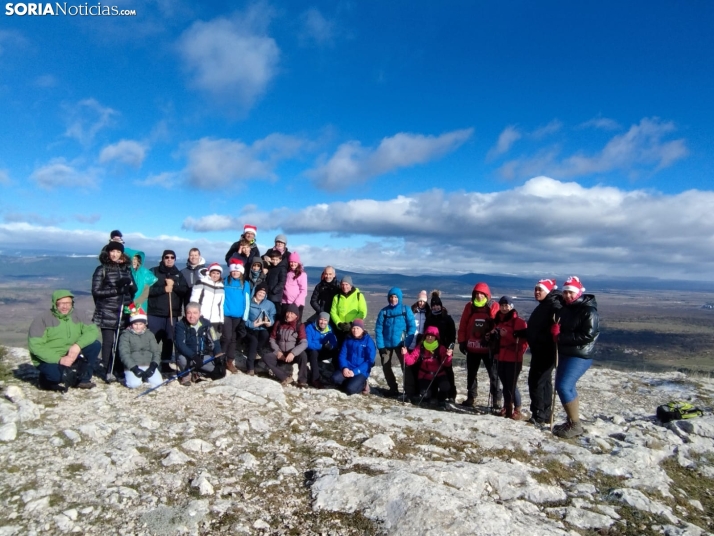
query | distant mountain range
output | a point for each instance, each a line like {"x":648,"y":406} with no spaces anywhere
{"x":76,"y":271}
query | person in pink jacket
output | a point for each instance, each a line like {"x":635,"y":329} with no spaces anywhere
{"x":295,"y":285}
{"x":432,"y":359}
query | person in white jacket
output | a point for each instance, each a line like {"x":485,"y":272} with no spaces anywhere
{"x":208,"y":292}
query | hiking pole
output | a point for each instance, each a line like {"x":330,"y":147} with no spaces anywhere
{"x":552,"y":403}
{"x":451,"y":347}
{"x":403,"y":364}
{"x":115,"y":342}
{"x":177,"y":376}
{"x":515,"y":381}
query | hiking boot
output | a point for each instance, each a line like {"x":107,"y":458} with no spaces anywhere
{"x":469,"y":402}
{"x":317,"y":384}
{"x":500,"y":412}
{"x":86,"y":385}
{"x":55,"y":387}
{"x":302,"y":385}
{"x":517,"y":416}
{"x":110,"y":378}
{"x":393,"y":392}
{"x":231,"y":367}
{"x":185,"y":380}
{"x":287,"y":381}
{"x":569,"y":429}
{"x":250,"y":373}
{"x":442,"y":404}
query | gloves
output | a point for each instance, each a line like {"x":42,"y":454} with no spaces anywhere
{"x":327,"y":346}
{"x":197,"y":360}
{"x":462,"y":347}
{"x":137,"y":372}
{"x":151,"y":370}
{"x":344,"y":326}
{"x":555,"y":331}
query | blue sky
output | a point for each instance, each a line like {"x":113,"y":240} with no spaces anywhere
{"x":511,"y":137}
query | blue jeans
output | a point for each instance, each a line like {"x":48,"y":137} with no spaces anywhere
{"x":569,"y":371}
{"x":52,"y":373}
{"x":352,"y":385}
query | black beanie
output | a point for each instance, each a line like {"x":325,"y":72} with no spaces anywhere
{"x":168,"y":252}
{"x":111,"y":246}
{"x":435,"y":299}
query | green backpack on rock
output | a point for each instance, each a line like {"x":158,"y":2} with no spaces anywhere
{"x":675,"y":411}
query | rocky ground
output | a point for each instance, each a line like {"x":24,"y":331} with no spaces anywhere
{"x":244,"y":455}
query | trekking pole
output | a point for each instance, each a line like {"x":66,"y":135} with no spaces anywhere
{"x":552,"y":403}
{"x":403,"y":364}
{"x":177,"y":376}
{"x":451,"y":347}
{"x":515,"y":380}
{"x":116,"y":335}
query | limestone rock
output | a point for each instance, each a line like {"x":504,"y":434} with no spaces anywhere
{"x":8,"y":432}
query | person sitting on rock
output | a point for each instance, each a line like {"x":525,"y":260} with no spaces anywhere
{"x":321,"y":346}
{"x":64,"y":345}
{"x":431,"y":358}
{"x":139,"y":352}
{"x":196,"y":342}
{"x":288,"y":343}
{"x":260,"y":318}
{"x":356,"y":360}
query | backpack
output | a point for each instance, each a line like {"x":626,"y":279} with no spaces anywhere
{"x":674,"y":411}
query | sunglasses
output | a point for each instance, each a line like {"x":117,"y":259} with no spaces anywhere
{"x":169,"y":257}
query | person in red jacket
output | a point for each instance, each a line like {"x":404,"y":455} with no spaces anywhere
{"x":476,"y":321}
{"x":432,"y":359}
{"x":510,"y":332}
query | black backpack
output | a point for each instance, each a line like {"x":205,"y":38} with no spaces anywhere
{"x":675,"y":411}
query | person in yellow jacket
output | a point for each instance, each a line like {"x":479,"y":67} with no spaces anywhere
{"x":347,"y":305}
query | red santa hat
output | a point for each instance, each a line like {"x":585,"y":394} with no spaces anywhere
{"x":573,"y":284}
{"x":138,"y":315}
{"x":248,"y":228}
{"x":236,"y":265}
{"x":547,"y":284}
{"x":215,"y":266}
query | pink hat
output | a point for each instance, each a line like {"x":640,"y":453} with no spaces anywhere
{"x":422,"y":296}
{"x":547,"y":284}
{"x":573,"y":284}
{"x":237,"y":265}
{"x":432,"y":330}
{"x":248,"y":228}
{"x":294,"y":257}
{"x":215,"y":266}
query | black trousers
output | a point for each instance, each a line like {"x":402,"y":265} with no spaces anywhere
{"x":540,"y":384}
{"x":410,"y":373}
{"x":441,"y":387}
{"x":315,"y":356}
{"x":280,"y":368}
{"x":508,"y":372}
{"x":255,"y":339}
{"x":473,"y":362}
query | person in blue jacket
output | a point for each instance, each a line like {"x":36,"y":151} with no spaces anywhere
{"x":321,"y":345}
{"x":395,"y":324}
{"x":356,"y":360}
{"x":236,"y":307}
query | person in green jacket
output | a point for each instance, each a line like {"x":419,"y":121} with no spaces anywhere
{"x":143,"y":277}
{"x":348,"y":304}
{"x":64,"y":345}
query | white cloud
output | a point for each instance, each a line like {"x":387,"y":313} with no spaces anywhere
{"x":231,"y":58}
{"x":545,"y":226}
{"x":87,"y":218}
{"x":33,"y":218}
{"x":166,"y":180}
{"x":353,"y":163}
{"x":642,"y":147}
{"x":46,"y":81}
{"x":60,"y":174}
{"x":316,"y":27}
{"x":129,"y":152}
{"x":4,"y":176}
{"x":505,"y":141}
{"x":546,"y":130}
{"x":86,"y":118}
{"x":602,"y":123}
{"x":213,"y":164}
{"x":11,"y":38}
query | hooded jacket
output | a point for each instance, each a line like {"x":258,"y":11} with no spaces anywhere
{"x":143,"y":277}
{"x":199,"y":340}
{"x":358,"y":355}
{"x":512,"y":342}
{"x":346,"y":307}
{"x":477,"y":321}
{"x":445,"y":324}
{"x":191,"y":272}
{"x":138,"y":350}
{"x":395,"y":323}
{"x":257,"y":310}
{"x":237,"y":302}
{"x":316,"y":338}
{"x":579,"y":327}
{"x":295,"y":290}
{"x":52,"y":333}
{"x":431,"y":364}
{"x":108,"y":302}
{"x":210,"y":295}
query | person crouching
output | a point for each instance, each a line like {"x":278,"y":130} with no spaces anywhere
{"x":288,"y":343}
{"x":139,"y":352}
{"x":356,"y":360}
{"x":196,"y":341}
{"x":431,"y":358}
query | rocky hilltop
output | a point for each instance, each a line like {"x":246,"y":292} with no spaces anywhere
{"x":243,"y":455}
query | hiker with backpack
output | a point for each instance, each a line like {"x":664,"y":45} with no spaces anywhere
{"x":575,"y":331}
{"x":348,"y":305}
{"x":540,"y":341}
{"x":510,"y":336}
{"x":196,"y":342}
{"x":430,"y":358}
{"x":476,"y":321}
{"x":395,"y":324}
{"x":113,"y":288}
{"x":139,"y":352}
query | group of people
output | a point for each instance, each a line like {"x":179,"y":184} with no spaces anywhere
{"x":201,"y":318}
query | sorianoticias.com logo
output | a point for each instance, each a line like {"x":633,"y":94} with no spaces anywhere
{"x":62,"y":8}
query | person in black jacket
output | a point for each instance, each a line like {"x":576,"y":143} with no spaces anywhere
{"x":281,"y":247}
{"x":540,"y":385}
{"x":249,"y":233}
{"x":165,"y":299}
{"x":324,"y":293}
{"x":113,"y":287}
{"x":197,"y":341}
{"x":275,"y":278}
{"x":575,"y":330}
{"x":442,"y":320}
